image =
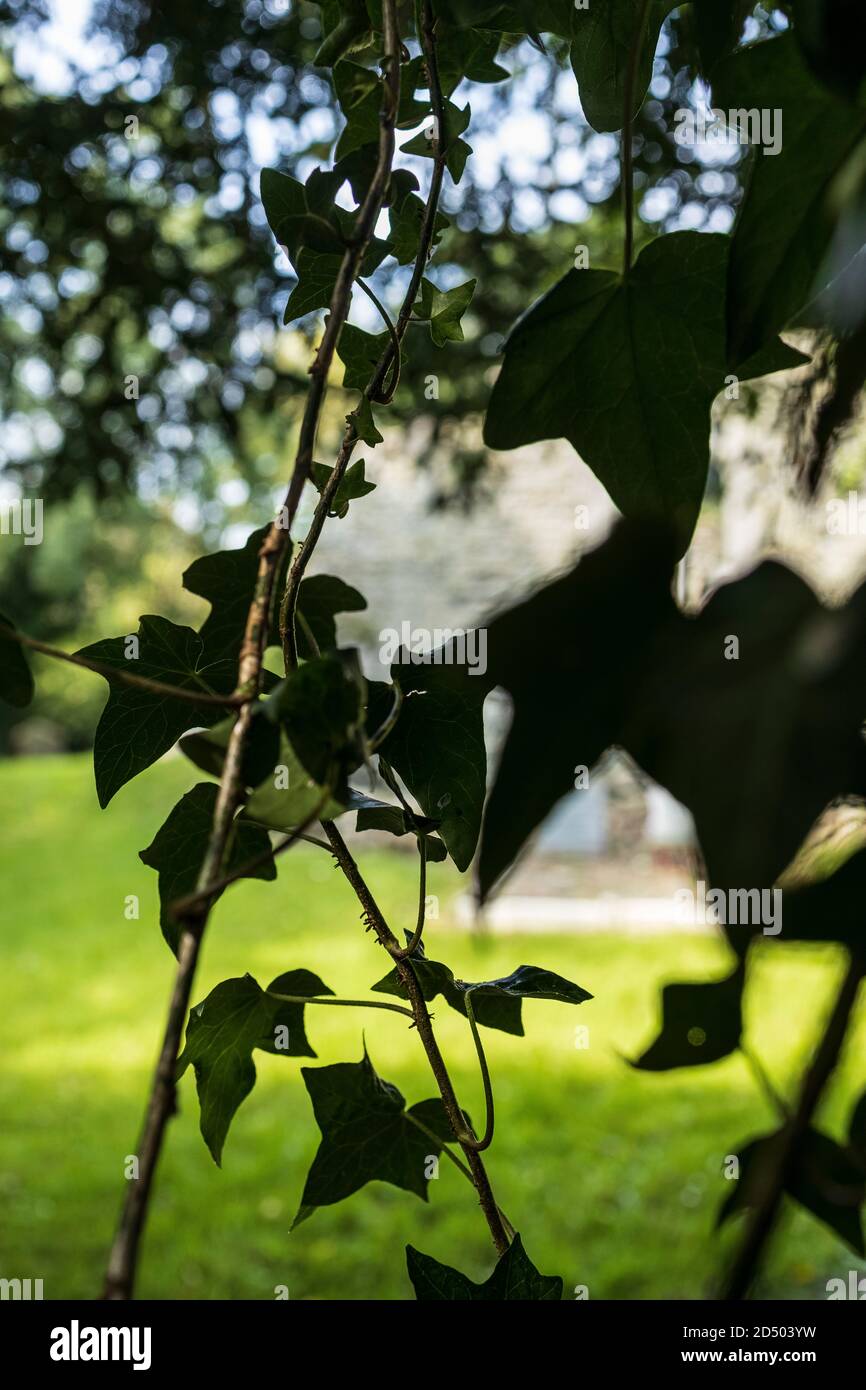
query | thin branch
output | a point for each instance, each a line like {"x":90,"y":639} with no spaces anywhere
{"x":183,"y":907}
{"x":782,"y":1161}
{"x":289,"y":603}
{"x":314,"y":840}
{"x":344,"y":1003}
{"x":123,"y":1257}
{"x":487,"y":1140}
{"x":415,"y":940}
{"x":431,"y":1134}
{"x":115,"y":673}
{"x":385,"y":364}
{"x":390,"y":780}
{"x":388,"y":723}
{"x":386,"y":395}
{"x":760,"y":1074}
{"x":458,"y":1163}
{"x":309,"y":635}
{"x":365,"y":223}
{"x":423,"y":1023}
{"x":626,"y":152}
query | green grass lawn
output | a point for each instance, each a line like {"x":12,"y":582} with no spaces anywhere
{"x":612,"y":1176}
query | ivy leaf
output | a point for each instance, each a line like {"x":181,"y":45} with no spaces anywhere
{"x":360,"y":353}
{"x":701,"y":1023}
{"x":830,"y":35}
{"x":529,"y":17}
{"x":359,"y":92}
{"x":178,"y":849}
{"x":288,"y":798}
{"x":364,"y":424}
{"x":298,"y":215}
{"x":599,"y":361}
{"x":775,"y":256}
{"x":393,"y":820}
{"x":406,"y":218}
{"x":471,"y":55}
{"x":320,"y":599}
{"x":767,"y":677}
{"x":573,"y":657}
{"x":496,"y":1003}
{"x":437,"y":745}
{"x":320,"y":707}
{"x":458,"y":151}
{"x":348,"y":25}
{"x":16,"y":680}
{"x":236,"y":1018}
{"x":367,"y":1135}
{"x":829,"y":909}
{"x":528,"y":982}
{"x":718,"y":25}
{"x":317,"y":273}
{"x":352,"y":486}
{"x":137,"y":726}
{"x":434,"y":977}
{"x":317,"y":276}
{"x":207,"y":747}
{"x":514,"y":1278}
{"x":227,"y":580}
{"x":444,"y":309}
{"x":603,"y":39}
{"x":825,"y":1180}
{"x":317,"y":269}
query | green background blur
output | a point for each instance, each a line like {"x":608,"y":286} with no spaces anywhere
{"x":612,"y":1176}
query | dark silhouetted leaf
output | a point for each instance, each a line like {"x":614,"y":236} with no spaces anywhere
{"x":178,"y":849}
{"x":406,"y":220}
{"x":598,"y":361}
{"x":603,"y":37}
{"x":700,"y":1023}
{"x":572,"y":658}
{"x":785,"y":711}
{"x":289,"y":797}
{"x":364,"y":424}
{"x":223,"y":1031}
{"x":367,"y":1135}
{"x":320,"y":599}
{"x":352,"y":485}
{"x":496,"y":1003}
{"x":826,"y":1181}
{"x":299,"y":216}
{"x":832,"y":36}
{"x":16,"y":681}
{"x":393,"y":820}
{"x":348,"y":28}
{"x":472,"y":54}
{"x":207,"y":748}
{"x":458,"y":151}
{"x":227,"y":580}
{"x":360,"y":352}
{"x":137,"y":726}
{"x":775,"y":255}
{"x":359,"y":92}
{"x":515,"y":1277}
{"x":437,"y":745}
{"x":320,"y":708}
